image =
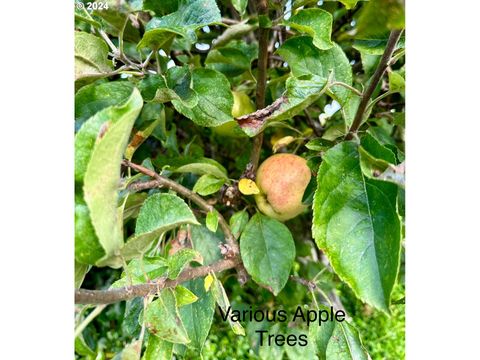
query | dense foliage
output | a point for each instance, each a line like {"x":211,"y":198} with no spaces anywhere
{"x":177,"y":103}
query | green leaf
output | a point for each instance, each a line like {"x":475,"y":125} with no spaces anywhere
{"x":82,"y":348}
{"x":131,"y":351}
{"x":376,"y":46}
{"x":201,"y":166}
{"x":198,"y":316}
{"x":297,"y":351}
{"x":349,"y":4}
{"x":345,"y":344}
{"x":80,"y":271}
{"x":305,"y":59}
{"x":378,"y":17}
{"x":321,"y":335}
{"x":272,"y":351}
{"x":356,"y":224}
{"x":158,"y":349}
{"x":91,"y":54}
{"x":396,"y":82}
{"x":159,"y":213}
{"x":374,"y":147}
{"x":238,"y":221}
{"x":102,"y":177}
{"x":163,"y":320}
{"x":184,"y":296}
{"x":208,"y":184}
{"x":161,"y":7}
{"x":92,"y":98}
{"x":378,"y":162}
{"x":240,"y":6}
{"x":319,"y":144}
{"x":268,"y":251}
{"x":176,"y":85}
{"x":87,"y":247}
{"x":228,"y":60}
{"x":190,"y":16}
{"x":95,"y":127}
{"x":337,"y":340}
{"x":238,"y":31}
{"x":212,"y":221}
{"x":314,"y":22}
{"x":178,"y":261}
{"x":131,"y":319}
{"x":159,"y":38}
{"x":221,"y":299}
{"x":140,"y":271}
{"x":206,"y":243}
{"x":215,"y":99}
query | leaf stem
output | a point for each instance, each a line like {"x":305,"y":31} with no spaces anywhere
{"x":89,"y":318}
{"x":351,"y":88}
{"x":377,"y":76}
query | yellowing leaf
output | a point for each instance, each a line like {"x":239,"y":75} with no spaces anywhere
{"x":284,"y":141}
{"x":248,"y":187}
{"x":207,"y":283}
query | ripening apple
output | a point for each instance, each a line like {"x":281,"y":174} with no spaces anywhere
{"x":242,"y":105}
{"x":282,"y":180}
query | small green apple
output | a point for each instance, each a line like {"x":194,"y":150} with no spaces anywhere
{"x":282,"y":180}
{"x":242,"y":105}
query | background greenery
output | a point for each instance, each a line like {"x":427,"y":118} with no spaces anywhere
{"x":154,"y":82}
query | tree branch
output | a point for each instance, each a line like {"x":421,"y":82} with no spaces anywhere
{"x":231,"y":250}
{"x":262,"y":9}
{"x":83,"y":296}
{"x":377,"y":76}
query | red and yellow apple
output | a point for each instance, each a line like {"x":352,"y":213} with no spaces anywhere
{"x":282,"y":180}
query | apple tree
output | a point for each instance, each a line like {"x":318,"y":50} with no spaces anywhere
{"x":234,"y":156}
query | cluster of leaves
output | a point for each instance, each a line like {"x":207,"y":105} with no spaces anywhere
{"x":154,"y":82}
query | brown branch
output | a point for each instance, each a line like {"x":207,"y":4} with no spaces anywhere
{"x":262,"y":10}
{"x":231,"y":249}
{"x":377,"y":76}
{"x":83,"y":296}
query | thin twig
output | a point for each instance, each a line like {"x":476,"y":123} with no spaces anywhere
{"x":313,"y":124}
{"x":83,"y":296}
{"x":377,"y":76}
